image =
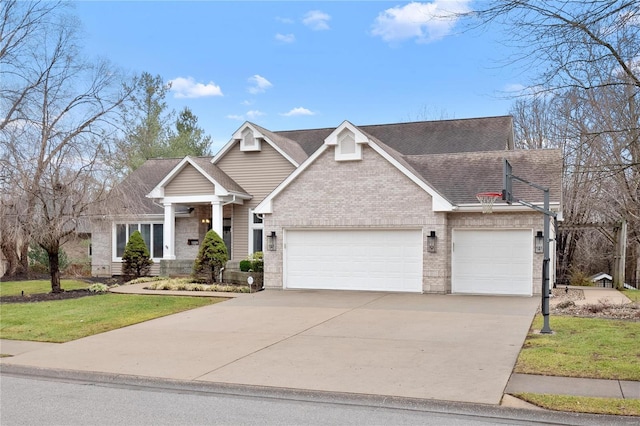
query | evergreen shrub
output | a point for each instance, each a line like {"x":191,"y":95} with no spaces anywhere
{"x":136,"y":261}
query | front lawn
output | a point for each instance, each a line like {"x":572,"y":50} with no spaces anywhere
{"x":583,"y":404}
{"x":15,"y":288}
{"x":633,"y":295}
{"x":583,"y":347}
{"x":64,"y":320}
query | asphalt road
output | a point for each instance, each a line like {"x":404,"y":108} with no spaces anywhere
{"x":47,"y":401}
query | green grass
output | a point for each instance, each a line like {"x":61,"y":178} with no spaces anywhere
{"x":65,"y":320}
{"x":582,"y":404}
{"x":583,"y":347}
{"x":633,"y":295}
{"x":15,"y":288}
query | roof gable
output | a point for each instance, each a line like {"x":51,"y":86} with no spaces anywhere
{"x":395,"y":159}
{"x":286,"y":147}
{"x":214,"y":175}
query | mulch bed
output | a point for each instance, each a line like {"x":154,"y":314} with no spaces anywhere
{"x":563,"y":304}
{"x":65,"y":294}
{"x":44,"y":297}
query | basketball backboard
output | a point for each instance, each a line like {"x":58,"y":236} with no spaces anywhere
{"x":507,"y":182}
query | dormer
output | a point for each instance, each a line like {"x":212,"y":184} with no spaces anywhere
{"x":250,"y":139}
{"x":347,"y":141}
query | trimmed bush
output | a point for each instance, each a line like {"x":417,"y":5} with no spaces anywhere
{"x":245,"y":265}
{"x":136,"y":261}
{"x":212,"y":256}
{"x":253,"y":263}
{"x":98,"y":288}
{"x":258,"y":261}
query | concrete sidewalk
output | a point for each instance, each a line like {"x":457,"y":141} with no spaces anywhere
{"x":622,"y":389}
{"x":595,"y":295}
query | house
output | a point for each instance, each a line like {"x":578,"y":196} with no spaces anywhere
{"x":602,"y":280}
{"x":381,"y":207}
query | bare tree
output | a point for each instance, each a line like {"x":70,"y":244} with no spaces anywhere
{"x":534,"y":122}
{"x":575,"y":43}
{"x":56,"y":124}
{"x":585,"y":99}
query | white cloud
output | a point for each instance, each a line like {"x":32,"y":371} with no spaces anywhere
{"x":298,"y":111}
{"x":426,"y":22}
{"x":249,"y":115}
{"x":285,"y":38}
{"x":254,"y":113}
{"x":247,"y":102}
{"x":259,"y":84}
{"x":316,"y":20}
{"x":188,"y":88}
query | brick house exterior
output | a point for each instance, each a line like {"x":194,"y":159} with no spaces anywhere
{"x":407,"y":189}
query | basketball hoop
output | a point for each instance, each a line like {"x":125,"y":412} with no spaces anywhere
{"x":487,"y":199}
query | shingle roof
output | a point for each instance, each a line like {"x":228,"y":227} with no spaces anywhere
{"x":290,"y":147}
{"x":459,"y":177}
{"x":132,"y":191}
{"x":425,"y":137}
{"x":218,"y":175}
{"x":401,"y":159}
{"x":457,"y":158}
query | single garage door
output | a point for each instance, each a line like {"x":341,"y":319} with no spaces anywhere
{"x":492,"y":262}
{"x":380,"y":260}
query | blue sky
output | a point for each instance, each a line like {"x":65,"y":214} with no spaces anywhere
{"x":293,"y":65}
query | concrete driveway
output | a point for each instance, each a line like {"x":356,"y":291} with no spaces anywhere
{"x":446,"y":347}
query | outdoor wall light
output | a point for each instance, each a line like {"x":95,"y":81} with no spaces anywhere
{"x":431,"y":242}
{"x":539,"y":242}
{"x":271,"y":241}
{"x":205,"y":221}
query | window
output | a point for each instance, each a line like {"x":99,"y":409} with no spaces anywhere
{"x":256,"y":228}
{"x":152,"y":234}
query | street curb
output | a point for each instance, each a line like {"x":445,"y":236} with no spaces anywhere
{"x":377,"y":401}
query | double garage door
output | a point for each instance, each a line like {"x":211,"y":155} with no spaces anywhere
{"x":375,"y":260}
{"x":483,"y":261}
{"x":492,"y":262}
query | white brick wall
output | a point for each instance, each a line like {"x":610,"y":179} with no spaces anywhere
{"x":101,"y":248}
{"x":374,"y":194}
{"x":359,"y":194}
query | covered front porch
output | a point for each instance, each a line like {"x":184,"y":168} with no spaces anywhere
{"x":196,"y":197}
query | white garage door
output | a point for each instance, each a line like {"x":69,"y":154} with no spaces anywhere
{"x":492,"y":262}
{"x":380,"y":260}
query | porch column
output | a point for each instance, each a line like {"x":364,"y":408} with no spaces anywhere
{"x":169,"y":235}
{"x":216,"y":217}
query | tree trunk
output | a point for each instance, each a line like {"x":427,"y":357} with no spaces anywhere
{"x":24,"y":257}
{"x":15,"y":266}
{"x":54,"y":269}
